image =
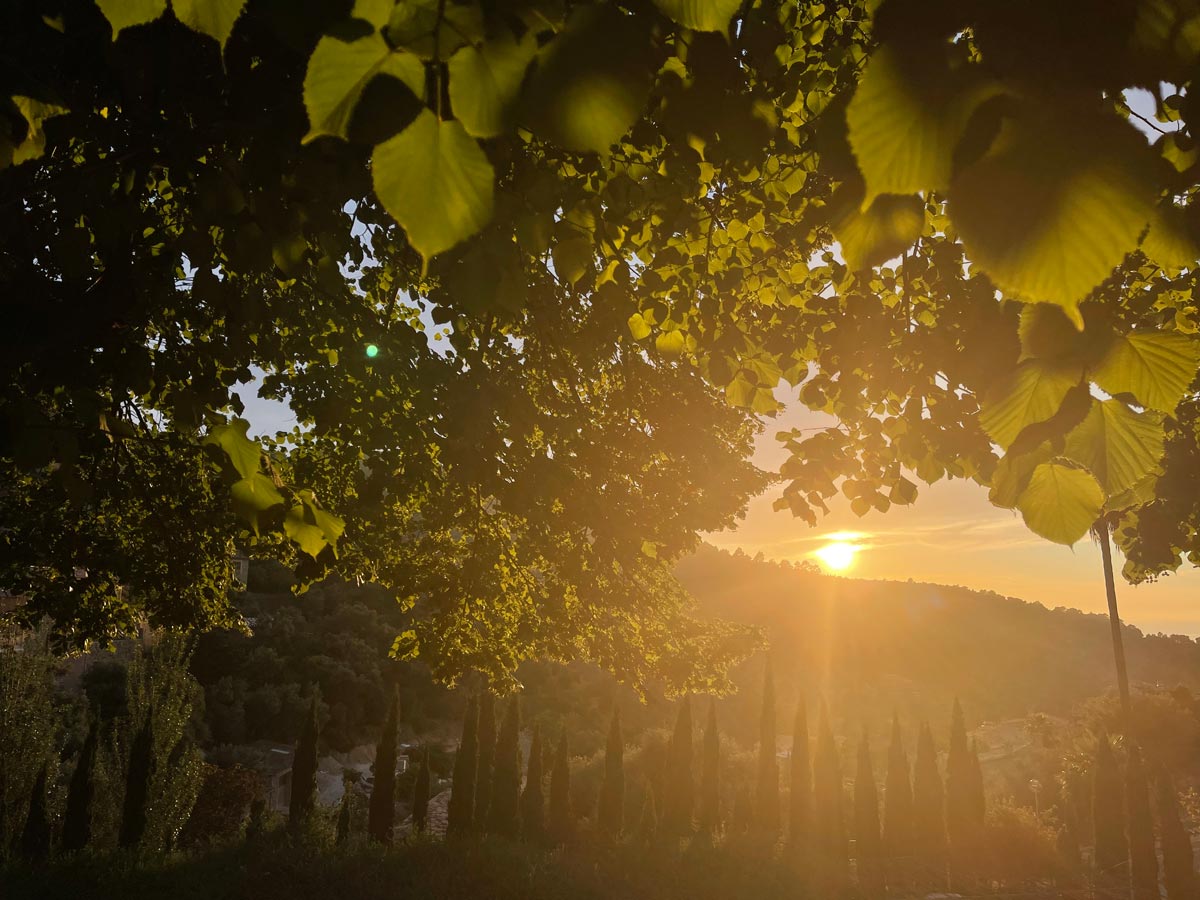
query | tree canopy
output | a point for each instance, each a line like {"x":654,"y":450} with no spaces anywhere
{"x":529,"y":274}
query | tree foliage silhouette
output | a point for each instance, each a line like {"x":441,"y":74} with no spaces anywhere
{"x":504,"y":808}
{"x":1110,"y":854}
{"x":1179,"y":875}
{"x":611,"y":813}
{"x":868,"y":841}
{"x":533,"y":798}
{"x":1139,"y":825}
{"x":421,"y":788}
{"x":679,"y":794}
{"x":461,"y":808}
{"x":559,"y":820}
{"x":134,"y":809}
{"x":381,"y":814}
{"x":81,"y":794}
{"x":766,"y":786}
{"x":487,"y":756}
{"x":929,"y":822}
{"x":800,"y":797}
{"x":303,"y":799}
{"x":709,"y":818}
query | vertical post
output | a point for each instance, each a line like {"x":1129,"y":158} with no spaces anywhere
{"x":1114,"y":621}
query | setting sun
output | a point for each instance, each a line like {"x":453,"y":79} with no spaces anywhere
{"x":838,"y":555}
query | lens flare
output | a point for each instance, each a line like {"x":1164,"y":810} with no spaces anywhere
{"x":372,"y":351}
{"x":837,"y":556}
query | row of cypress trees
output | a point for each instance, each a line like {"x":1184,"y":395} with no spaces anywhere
{"x":1124,"y":845}
{"x":488,"y":794}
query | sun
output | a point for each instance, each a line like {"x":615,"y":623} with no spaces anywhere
{"x":838,"y":556}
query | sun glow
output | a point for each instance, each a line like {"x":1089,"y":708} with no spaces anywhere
{"x":838,"y":556}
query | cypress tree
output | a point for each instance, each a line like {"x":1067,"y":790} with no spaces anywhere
{"x":503,"y":811}
{"x":679,"y":787}
{"x":487,"y":756}
{"x":421,"y":796}
{"x":960,"y":804}
{"x":303,"y":799}
{"x":1143,"y":858}
{"x":929,"y":824}
{"x":867,"y":839}
{"x":742,"y":820}
{"x":137,"y":785}
{"x":611,"y":814}
{"x":800,"y":807}
{"x":978,"y":798}
{"x":1179,"y":876}
{"x":77,"y":819}
{"x":461,"y":808}
{"x":897,"y":800}
{"x":35,"y":839}
{"x":533,"y":799}
{"x":766,"y":794}
{"x":829,"y":827}
{"x":559,"y":822}
{"x":1108,"y":818}
{"x":648,"y":824}
{"x":342,"y":835}
{"x":381,"y":814}
{"x":710,"y":775}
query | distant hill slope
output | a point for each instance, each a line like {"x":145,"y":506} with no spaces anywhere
{"x":869,"y":647}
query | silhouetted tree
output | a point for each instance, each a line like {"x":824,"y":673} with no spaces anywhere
{"x":800,"y":799}
{"x":1108,"y":819}
{"x":342,"y":833}
{"x":559,"y":823}
{"x":710,"y":775}
{"x":611,"y":813}
{"x":460,"y":811}
{"x":829,"y":827}
{"x":1143,"y":858}
{"x":35,"y":838}
{"x":381,"y":814}
{"x":978,"y":804}
{"x":766,"y":792}
{"x":960,"y":804}
{"x":680,"y":790}
{"x":647,"y":828}
{"x":1179,"y":876}
{"x":503,"y":814}
{"x":77,"y":818}
{"x":487,"y":756}
{"x":137,"y":785}
{"x":897,"y":803}
{"x":929,"y":823}
{"x":867,"y":839}
{"x":304,"y":770}
{"x":420,"y":813}
{"x":533,"y":799}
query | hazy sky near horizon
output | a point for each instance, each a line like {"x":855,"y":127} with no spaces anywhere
{"x":953,"y":535}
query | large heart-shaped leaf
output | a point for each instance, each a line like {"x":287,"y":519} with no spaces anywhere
{"x":243,"y":453}
{"x":1031,"y":393}
{"x":122,"y":14}
{"x":338,"y":73}
{"x":880,"y":232}
{"x":1055,"y":204}
{"x":1061,"y":503}
{"x":1119,"y":446}
{"x":1156,"y":367}
{"x":485,"y":82}
{"x":908,"y":114}
{"x":434,"y":179}
{"x":701,"y":15}
{"x":36,"y":113}
{"x":215,"y":18}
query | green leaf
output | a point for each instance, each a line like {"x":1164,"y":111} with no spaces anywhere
{"x":215,"y":18}
{"x":740,"y":392}
{"x":701,"y":15}
{"x":1156,"y":367}
{"x":122,"y":14}
{"x":406,"y":645}
{"x":670,"y":343}
{"x":1119,"y":446}
{"x":572,"y":258}
{"x":485,"y":82}
{"x":36,"y":113}
{"x":1061,"y":503}
{"x":306,"y":534}
{"x":435,"y":181}
{"x":908,"y":114}
{"x":1033,"y":392}
{"x":1013,"y":472}
{"x":1169,"y":241}
{"x":338,"y":73}
{"x":253,"y":496}
{"x":1055,"y":204}
{"x":639,"y":327}
{"x":591,"y":82}
{"x":881,"y":232}
{"x":423,"y":26}
{"x":243,"y":453}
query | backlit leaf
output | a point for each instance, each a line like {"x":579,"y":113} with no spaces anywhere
{"x":1119,"y":446}
{"x":1054,"y":206}
{"x":254,"y":495}
{"x":338,"y":73}
{"x":1169,"y":242}
{"x":572,"y":258}
{"x":907,"y":115}
{"x":122,"y":14}
{"x":435,"y":181}
{"x":1156,"y":367}
{"x":670,"y":343}
{"x":702,"y":15}
{"x":36,"y":113}
{"x":215,"y":18}
{"x":881,"y":232}
{"x":638,"y":327}
{"x":1033,"y":392}
{"x":1061,"y":503}
{"x":243,"y":453}
{"x":485,"y":81}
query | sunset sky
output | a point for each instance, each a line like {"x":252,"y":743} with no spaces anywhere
{"x":953,"y":535}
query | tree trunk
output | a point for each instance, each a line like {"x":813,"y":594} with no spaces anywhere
{"x":1114,"y":620}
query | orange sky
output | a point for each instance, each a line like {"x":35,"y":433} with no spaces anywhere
{"x":953,"y":535}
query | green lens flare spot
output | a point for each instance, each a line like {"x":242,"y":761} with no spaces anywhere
{"x":372,"y":351}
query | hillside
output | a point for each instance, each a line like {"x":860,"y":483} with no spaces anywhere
{"x":869,"y":647}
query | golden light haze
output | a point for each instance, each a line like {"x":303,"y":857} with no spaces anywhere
{"x":953,"y":535}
